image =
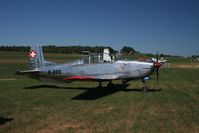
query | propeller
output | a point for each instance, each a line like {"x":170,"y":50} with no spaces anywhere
{"x":157,"y":66}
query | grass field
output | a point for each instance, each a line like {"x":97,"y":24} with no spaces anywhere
{"x":27,"y":105}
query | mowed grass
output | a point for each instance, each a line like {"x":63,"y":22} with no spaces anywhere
{"x":27,"y":105}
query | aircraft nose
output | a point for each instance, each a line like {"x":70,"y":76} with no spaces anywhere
{"x":157,"y":65}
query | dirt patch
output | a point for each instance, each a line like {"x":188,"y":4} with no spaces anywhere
{"x":62,"y":127}
{"x":104,"y":110}
{"x":56,"y":123}
{"x":185,"y":66}
{"x":8,"y":79}
{"x":194,"y":128}
{"x":4,"y":61}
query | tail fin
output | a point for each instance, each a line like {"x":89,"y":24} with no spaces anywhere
{"x":36,"y":57}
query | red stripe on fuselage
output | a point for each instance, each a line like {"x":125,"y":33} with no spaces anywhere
{"x":80,"y":78}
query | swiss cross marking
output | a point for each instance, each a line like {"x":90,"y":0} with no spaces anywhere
{"x":32,"y":54}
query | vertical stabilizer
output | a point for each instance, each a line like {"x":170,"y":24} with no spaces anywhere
{"x":36,"y":57}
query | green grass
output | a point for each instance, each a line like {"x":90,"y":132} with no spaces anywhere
{"x":27,"y":105}
{"x":179,"y":60}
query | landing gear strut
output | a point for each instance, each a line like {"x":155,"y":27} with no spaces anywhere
{"x":100,"y":85}
{"x":145,"y":88}
{"x":125,"y":81}
{"x":110,"y":84}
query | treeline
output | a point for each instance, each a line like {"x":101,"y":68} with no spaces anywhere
{"x":195,"y":56}
{"x":128,"y":51}
{"x":59,"y":49}
{"x":15,"y":48}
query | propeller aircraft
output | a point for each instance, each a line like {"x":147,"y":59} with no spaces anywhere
{"x":93,"y":67}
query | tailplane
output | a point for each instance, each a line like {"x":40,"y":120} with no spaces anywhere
{"x":36,"y":58}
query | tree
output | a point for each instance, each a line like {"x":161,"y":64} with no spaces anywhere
{"x":127,"y":50}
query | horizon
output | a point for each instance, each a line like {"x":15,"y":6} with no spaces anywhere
{"x":168,"y":27}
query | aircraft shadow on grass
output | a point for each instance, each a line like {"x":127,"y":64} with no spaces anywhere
{"x":4,"y":120}
{"x":93,"y":93}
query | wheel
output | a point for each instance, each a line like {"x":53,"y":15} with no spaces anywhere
{"x":100,"y":85}
{"x":145,"y":89}
{"x":110,"y":85}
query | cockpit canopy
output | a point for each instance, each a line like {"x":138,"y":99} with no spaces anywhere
{"x":90,"y":58}
{"x":97,"y":58}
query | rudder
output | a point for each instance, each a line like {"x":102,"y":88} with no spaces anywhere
{"x":36,"y":57}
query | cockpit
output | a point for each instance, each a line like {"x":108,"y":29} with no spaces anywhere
{"x":93,"y":58}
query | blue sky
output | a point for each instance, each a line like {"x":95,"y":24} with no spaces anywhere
{"x":167,"y":26}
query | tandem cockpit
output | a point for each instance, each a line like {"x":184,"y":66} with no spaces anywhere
{"x":105,"y":57}
{"x":94,"y":58}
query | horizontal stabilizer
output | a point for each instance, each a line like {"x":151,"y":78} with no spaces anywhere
{"x":26,"y":72}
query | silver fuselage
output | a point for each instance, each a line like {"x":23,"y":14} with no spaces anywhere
{"x":105,"y":71}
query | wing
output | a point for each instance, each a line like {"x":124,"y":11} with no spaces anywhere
{"x":71,"y":78}
{"x":92,"y":78}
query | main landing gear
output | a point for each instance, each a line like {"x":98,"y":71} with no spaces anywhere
{"x":109,"y":85}
{"x":100,"y":85}
{"x":145,"y":88}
